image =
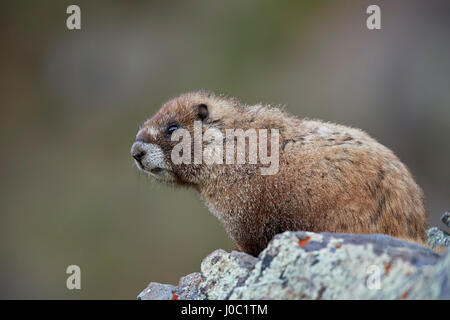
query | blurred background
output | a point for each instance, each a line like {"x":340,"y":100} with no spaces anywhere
{"x":71,"y":103}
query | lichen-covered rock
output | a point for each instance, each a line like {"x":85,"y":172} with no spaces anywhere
{"x":157,"y":291}
{"x":187,"y":289}
{"x":223,"y":271}
{"x":306,"y":265}
{"x":437,"y":238}
{"x":446,"y":218}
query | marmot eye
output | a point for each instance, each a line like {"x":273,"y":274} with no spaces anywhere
{"x":171,"y":129}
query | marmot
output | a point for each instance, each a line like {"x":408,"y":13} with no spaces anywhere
{"x":330,"y":177}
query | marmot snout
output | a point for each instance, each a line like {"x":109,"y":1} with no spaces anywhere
{"x":329,"y":177}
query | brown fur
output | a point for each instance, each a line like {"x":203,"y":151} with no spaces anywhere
{"x":331,"y":177}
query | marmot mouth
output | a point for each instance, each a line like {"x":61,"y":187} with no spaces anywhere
{"x":155,"y":170}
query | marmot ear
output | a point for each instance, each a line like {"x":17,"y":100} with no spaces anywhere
{"x":202,"y":111}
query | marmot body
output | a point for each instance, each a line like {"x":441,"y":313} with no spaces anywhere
{"x":331,"y":177}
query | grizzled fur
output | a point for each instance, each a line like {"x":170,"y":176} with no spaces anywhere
{"x":331,"y":177}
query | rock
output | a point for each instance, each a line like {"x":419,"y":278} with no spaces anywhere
{"x":157,"y":291}
{"x":187,"y":289}
{"x":446,"y":218}
{"x":223,"y":271}
{"x":306,"y":265}
{"x":438,"y":238}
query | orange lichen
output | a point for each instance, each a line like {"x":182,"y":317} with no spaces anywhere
{"x":337,"y":246}
{"x":174,"y":296}
{"x":304,"y":242}
{"x":387,"y":267}
{"x":404,"y":295}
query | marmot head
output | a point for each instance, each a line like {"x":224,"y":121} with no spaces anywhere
{"x":152,"y":150}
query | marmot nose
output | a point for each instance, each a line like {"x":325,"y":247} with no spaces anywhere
{"x":138,"y":156}
{"x":137,"y":152}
